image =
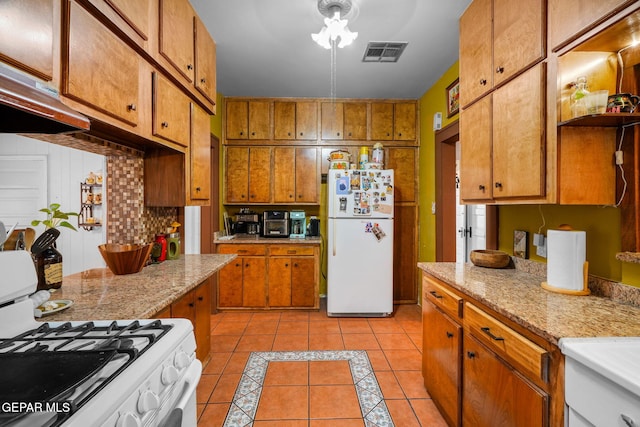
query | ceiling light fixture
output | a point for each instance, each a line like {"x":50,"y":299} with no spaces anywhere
{"x":334,"y":27}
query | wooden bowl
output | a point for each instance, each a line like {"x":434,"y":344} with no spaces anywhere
{"x":125,"y":259}
{"x":489,"y":258}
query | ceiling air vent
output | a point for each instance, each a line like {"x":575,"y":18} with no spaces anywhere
{"x":383,"y":51}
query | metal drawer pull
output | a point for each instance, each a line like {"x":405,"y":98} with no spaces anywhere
{"x":449,"y":334}
{"x":471,"y":354}
{"x":488,"y":332}
{"x":435,"y":294}
{"x":627,"y":420}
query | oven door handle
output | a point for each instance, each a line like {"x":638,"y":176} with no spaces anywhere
{"x":192,"y":377}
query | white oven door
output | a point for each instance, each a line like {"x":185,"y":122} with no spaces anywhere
{"x":183,"y":408}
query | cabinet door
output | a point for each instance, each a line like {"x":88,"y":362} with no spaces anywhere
{"x":171,"y":111}
{"x":518,"y":36}
{"x":404,"y":121}
{"x":405,"y":250}
{"x":583,"y":13}
{"x":381,"y":121}
{"x":303,"y":282}
{"x":176,"y":35}
{"x":185,"y":307}
{"x":259,"y":119}
{"x":284,"y":175}
{"x":441,"y":361}
{"x":237,"y":174}
{"x":403,"y":162}
{"x":307,"y":188}
{"x":237,"y":119}
{"x":254,"y":292}
{"x":355,"y":120}
{"x":494,"y":394}
{"x":476,"y":66}
{"x":230,"y":284}
{"x":332,"y":117}
{"x":90,"y":73}
{"x":199,"y":176}
{"x":202,"y":327}
{"x":518,"y":136}
{"x":475,"y":151}
{"x":284,"y":120}
{"x":279,"y":282}
{"x":260,"y":174}
{"x":306,"y":120}
{"x":26,"y":36}
{"x":205,"y":61}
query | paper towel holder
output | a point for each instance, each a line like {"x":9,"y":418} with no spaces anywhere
{"x":584,"y":291}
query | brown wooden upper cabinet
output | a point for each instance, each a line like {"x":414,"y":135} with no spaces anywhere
{"x":343,"y":120}
{"x":205,"y":61}
{"x":248,"y":119}
{"x":584,"y":14}
{"x":248,"y":175}
{"x":199,"y":163}
{"x":176,"y":35}
{"x":295,"y":175}
{"x":393,"y":121}
{"x":295,"y":120}
{"x":171,"y":111}
{"x":495,"y":53}
{"x":89,"y":73}
{"x":32,"y":53}
{"x":133,"y":17}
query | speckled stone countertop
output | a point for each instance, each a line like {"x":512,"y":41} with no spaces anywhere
{"x":98,"y":294}
{"x":268,"y":240}
{"x":517,"y":295}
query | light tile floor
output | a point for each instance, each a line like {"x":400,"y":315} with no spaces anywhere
{"x":311,"y":391}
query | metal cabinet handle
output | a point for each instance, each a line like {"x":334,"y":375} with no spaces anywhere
{"x":189,"y":66}
{"x":435,"y":294}
{"x":500,"y":70}
{"x":197,"y":189}
{"x":471,"y":354}
{"x":481,"y":187}
{"x":483,"y":82}
{"x":203,"y":80}
{"x":165,"y":124}
{"x":131,"y":107}
{"x":493,"y":337}
{"x":498,"y":185}
{"x":449,"y":334}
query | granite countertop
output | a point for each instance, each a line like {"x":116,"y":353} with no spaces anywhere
{"x":98,"y":294}
{"x":517,"y":295}
{"x":253,"y":239}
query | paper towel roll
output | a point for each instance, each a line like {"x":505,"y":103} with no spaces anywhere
{"x":566,"y":255}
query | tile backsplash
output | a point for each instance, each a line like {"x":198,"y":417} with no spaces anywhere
{"x":128,"y":219}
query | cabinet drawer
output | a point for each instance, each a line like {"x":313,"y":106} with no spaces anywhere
{"x":242,"y":250}
{"x":506,"y":342}
{"x":291,"y":250}
{"x":446,"y":300}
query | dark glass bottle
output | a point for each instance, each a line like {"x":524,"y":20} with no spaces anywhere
{"x":49,"y":268}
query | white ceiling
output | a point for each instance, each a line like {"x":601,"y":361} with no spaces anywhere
{"x":264,"y":47}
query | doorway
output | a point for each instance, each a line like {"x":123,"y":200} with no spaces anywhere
{"x":459,"y":228}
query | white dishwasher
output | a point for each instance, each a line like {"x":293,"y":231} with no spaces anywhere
{"x":602,"y":381}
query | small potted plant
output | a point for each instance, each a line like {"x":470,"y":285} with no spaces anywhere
{"x":49,"y":262}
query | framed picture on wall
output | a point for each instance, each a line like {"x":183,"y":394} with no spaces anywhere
{"x":453,"y":99}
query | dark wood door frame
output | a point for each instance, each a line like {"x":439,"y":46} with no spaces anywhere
{"x":445,"y":152}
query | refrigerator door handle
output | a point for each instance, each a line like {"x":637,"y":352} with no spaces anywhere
{"x":334,"y":238}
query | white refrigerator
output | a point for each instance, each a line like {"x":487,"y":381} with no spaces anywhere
{"x":360,"y":244}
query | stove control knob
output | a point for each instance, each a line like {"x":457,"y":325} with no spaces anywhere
{"x":148,"y":401}
{"x":181,"y":360}
{"x":169,"y":375}
{"x":128,"y":419}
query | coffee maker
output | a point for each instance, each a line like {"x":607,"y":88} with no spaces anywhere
{"x":298,"y":224}
{"x":246,"y":222}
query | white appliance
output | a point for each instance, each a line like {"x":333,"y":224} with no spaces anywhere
{"x":360,"y":228}
{"x":94,"y":373}
{"x":602,"y":381}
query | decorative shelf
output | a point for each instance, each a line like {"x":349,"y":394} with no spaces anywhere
{"x":88,"y":203}
{"x":604,"y":120}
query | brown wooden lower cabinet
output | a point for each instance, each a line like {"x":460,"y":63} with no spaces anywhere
{"x":481,"y":369}
{"x":269,"y":276}
{"x":195,"y":306}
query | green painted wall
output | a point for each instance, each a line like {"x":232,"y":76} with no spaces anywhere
{"x":602,"y":224}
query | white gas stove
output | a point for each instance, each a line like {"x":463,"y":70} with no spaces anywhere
{"x":125,"y":373}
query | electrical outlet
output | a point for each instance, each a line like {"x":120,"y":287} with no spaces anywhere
{"x":538,"y":239}
{"x":541,"y":251}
